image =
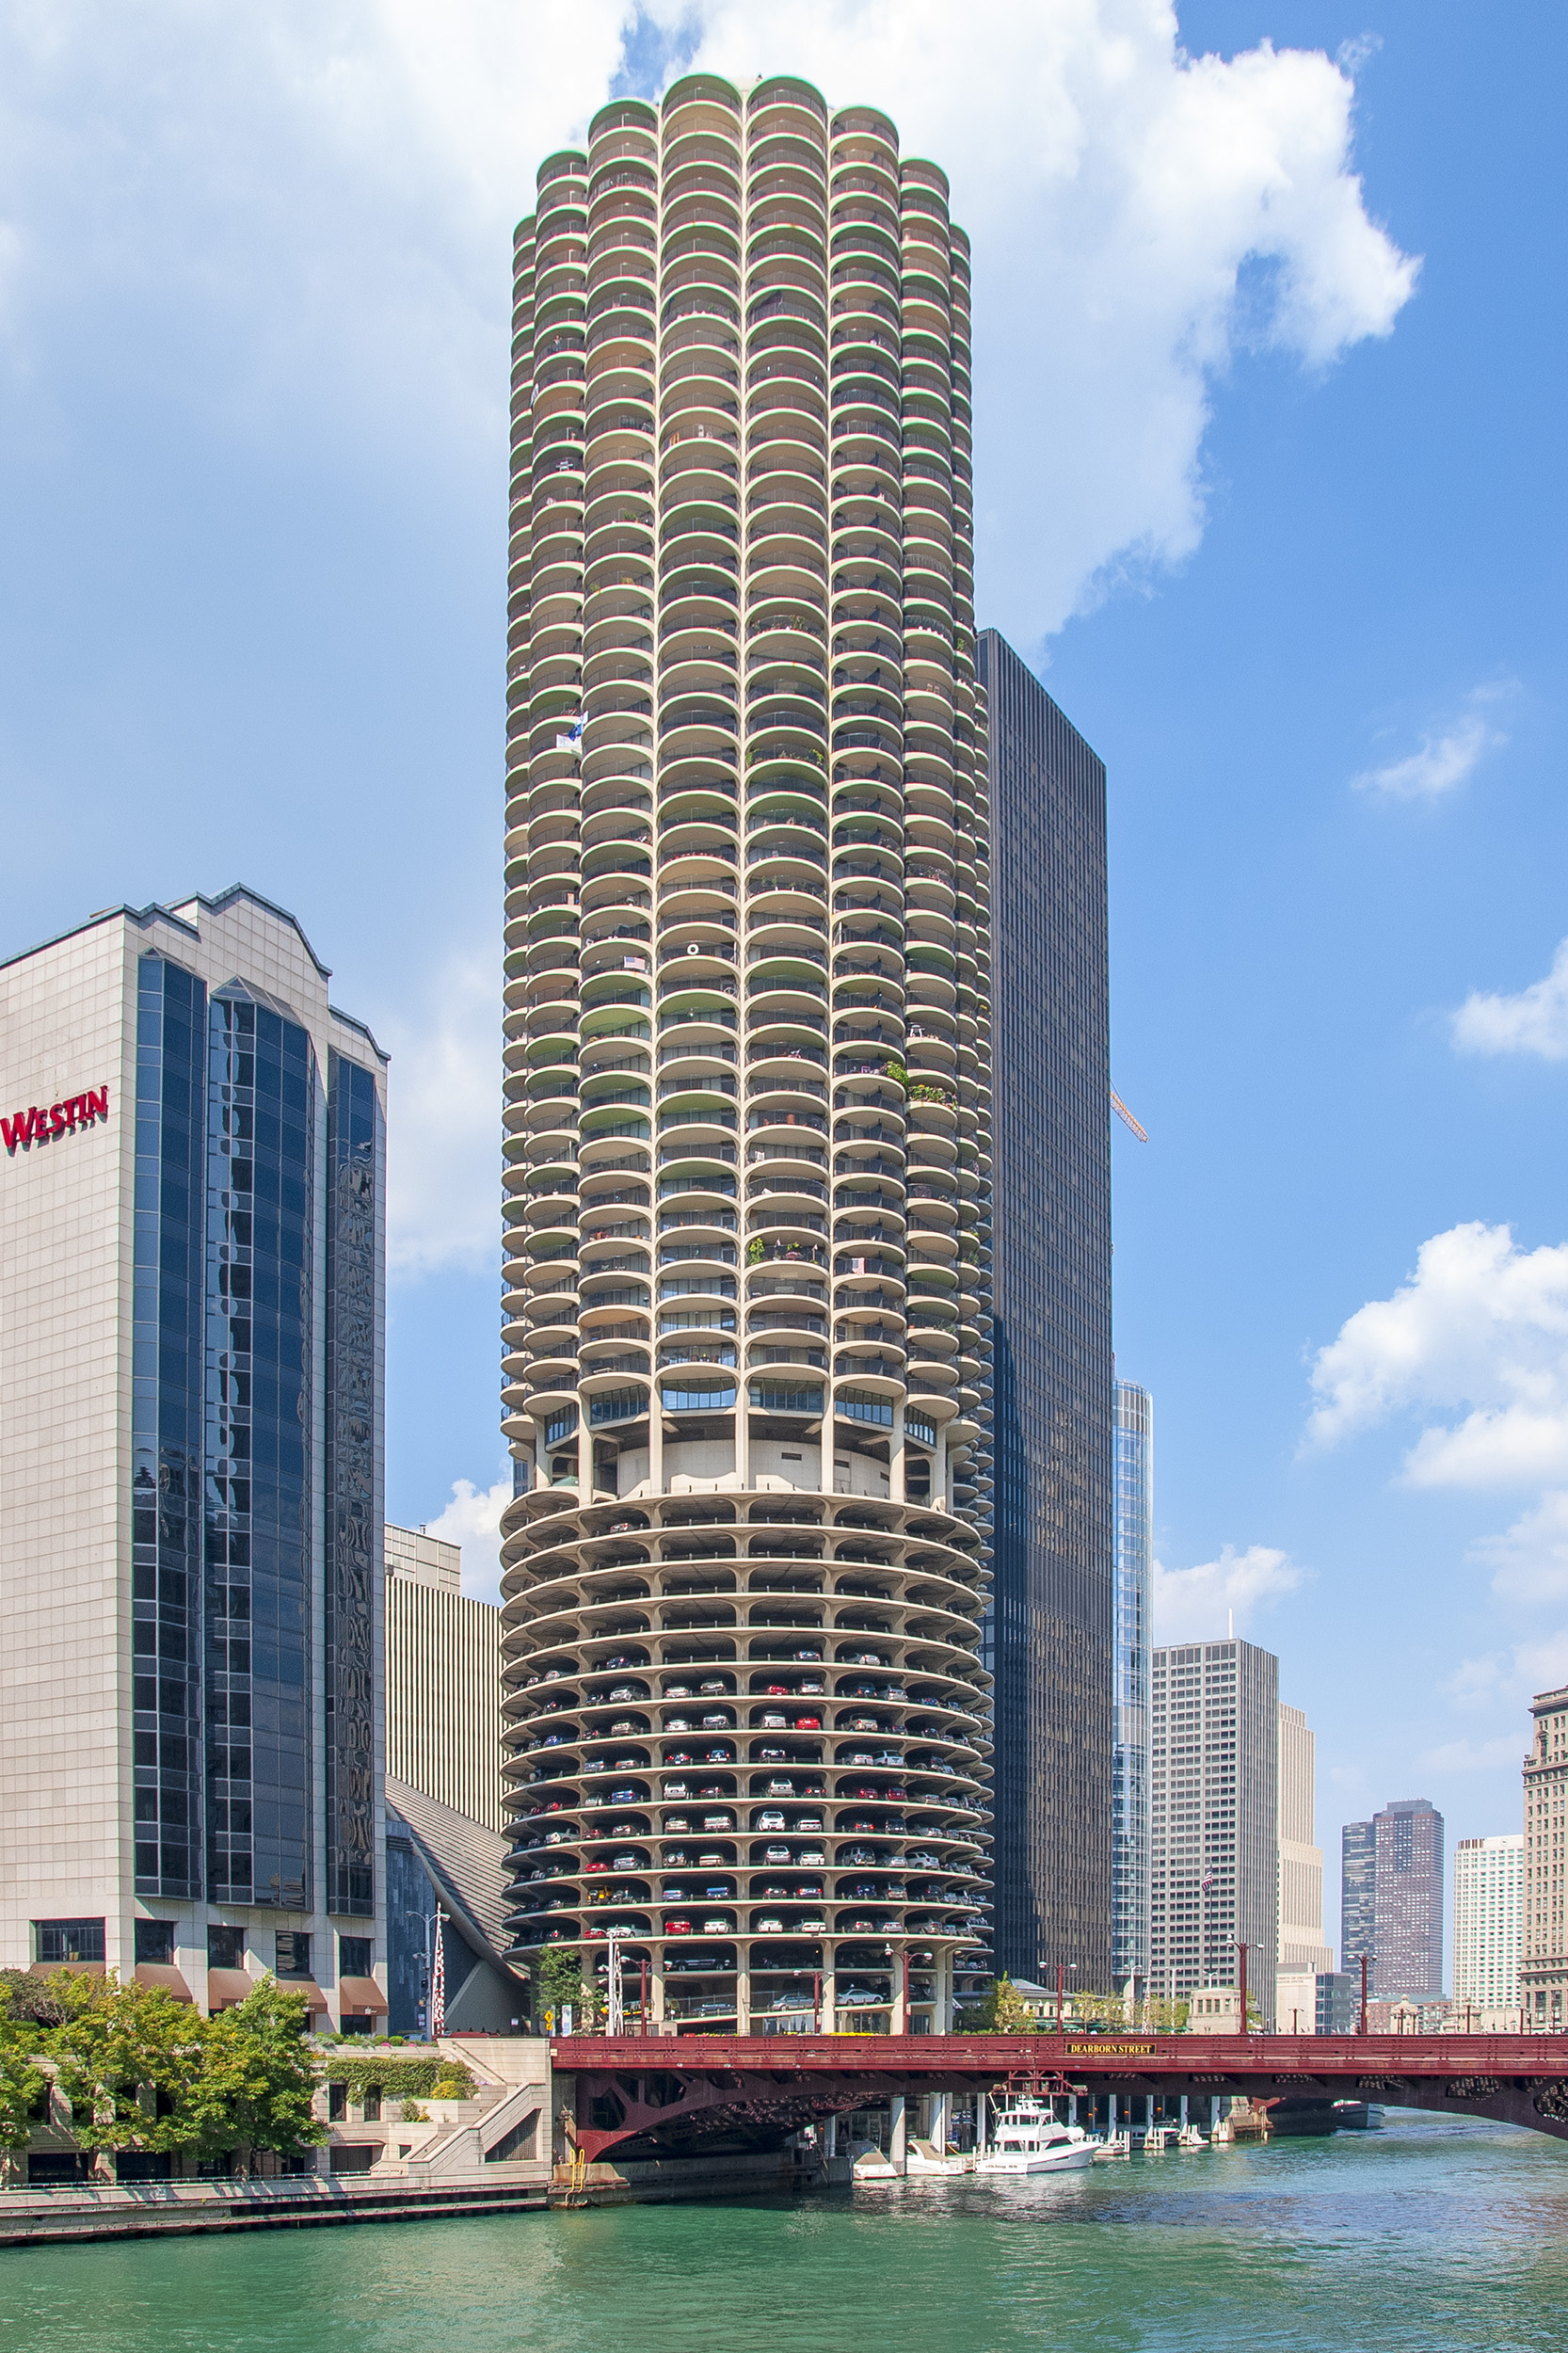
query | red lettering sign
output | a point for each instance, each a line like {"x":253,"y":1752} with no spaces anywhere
{"x":41,"y":1122}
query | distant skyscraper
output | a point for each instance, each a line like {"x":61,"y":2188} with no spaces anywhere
{"x":1130,"y":1789}
{"x":1301,"y":1859}
{"x":1391,"y":1904}
{"x":192,"y":1254}
{"x":1052,"y":1630}
{"x":1358,"y":1896}
{"x":1409,"y":1902}
{"x":1543,"y":1960}
{"x":1214,"y":1834}
{"x":1488,"y":1885}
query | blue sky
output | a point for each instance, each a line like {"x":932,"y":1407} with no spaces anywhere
{"x":1279,"y":516}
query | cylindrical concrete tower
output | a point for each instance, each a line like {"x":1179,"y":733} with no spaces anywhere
{"x":747,"y":1204}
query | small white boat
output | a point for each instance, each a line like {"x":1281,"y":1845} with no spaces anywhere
{"x":1190,"y":2137}
{"x":1028,"y":2139}
{"x":870,"y":2163}
{"x":1117,"y":2145}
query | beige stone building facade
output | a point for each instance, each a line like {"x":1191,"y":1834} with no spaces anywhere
{"x":444,"y":1679}
{"x":1544,"y":1956}
{"x":191,"y":1335}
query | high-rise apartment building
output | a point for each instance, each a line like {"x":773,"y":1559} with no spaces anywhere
{"x":1129,"y":1783}
{"x":1301,"y":1859}
{"x":1544,"y":1956}
{"x":444,"y":1679}
{"x":1391,"y":1906}
{"x":192,"y":1288}
{"x":747,"y":1043}
{"x":1214,"y":1840}
{"x":1488,"y":1891}
{"x":1050,"y":1642}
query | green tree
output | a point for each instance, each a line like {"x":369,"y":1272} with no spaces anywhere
{"x":22,"y":2083}
{"x":1164,"y":2016}
{"x":562,"y":1980}
{"x":1003,"y":2010}
{"x":28,"y":1999}
{"x":1108,"y":2010}
{"x":127,"y":2058}
{"x":258,"y":2077}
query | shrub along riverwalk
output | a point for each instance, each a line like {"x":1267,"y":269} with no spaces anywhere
{"x":123,"y":2109}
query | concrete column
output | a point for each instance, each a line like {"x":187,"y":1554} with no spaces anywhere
{"x":656,"y":1990}
{"x":1072,"y":2107}
{"x":1148,"y":2111}
{"x":830,"y":2138}
{"x":584,"y":1455}
{"x":1111,"y":2118}
{"x":742,"y":1991}
{"x":743,"y":1409}
{"x":895,"y":1458}
{"x":655,"y":1442}
{"x":825,"y":2021}
{"x":901,"y":2011}
{"x":898,"y":2133}
{"x":1184,"y":2111}
{"x":825,"y":1480}
{"x":938,"y":2133}
{"x":939,"y":1471}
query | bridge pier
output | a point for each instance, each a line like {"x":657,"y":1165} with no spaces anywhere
{"x":898,"y":2132}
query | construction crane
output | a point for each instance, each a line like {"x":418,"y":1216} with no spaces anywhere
{"x":1123,"y":1113}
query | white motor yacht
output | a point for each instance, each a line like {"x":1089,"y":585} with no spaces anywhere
{"x":1028,"y":2139}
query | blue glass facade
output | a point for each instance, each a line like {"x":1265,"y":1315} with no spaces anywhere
{"x":1051,"y":1632}
{"x":260,"y":1136}
{"x":165,"y":1476}
{"x":1129,"y":1782}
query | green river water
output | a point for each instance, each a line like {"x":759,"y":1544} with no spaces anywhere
{"x":1433,"y":2235}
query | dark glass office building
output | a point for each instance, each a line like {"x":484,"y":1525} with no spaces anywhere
{"x":218,"y":1398}
{"x":1051,"y":1628}
{"x":1391,"y":1901}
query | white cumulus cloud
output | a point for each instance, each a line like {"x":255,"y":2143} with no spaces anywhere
{"x":473,"y":1519}
{"x":1509,"y":1679}
{"x":1529,"y":1560}
{"x":1477,"y":1335}
{"x":443,"y":1149}
{"x":329,"y":195}
{"x":1197,"y":1605}
{"x":1532,"y":1021}
{"x":1444,"y":760}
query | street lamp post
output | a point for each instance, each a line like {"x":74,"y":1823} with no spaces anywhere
{"x":435,"y":1968}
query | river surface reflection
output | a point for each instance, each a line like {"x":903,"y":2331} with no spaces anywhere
{"x":1433,"y":2235}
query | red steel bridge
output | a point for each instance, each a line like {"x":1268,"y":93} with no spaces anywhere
{"x":673,"y":2095}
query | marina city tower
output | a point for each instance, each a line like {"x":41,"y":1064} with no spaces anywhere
{"x":746,"y":1282}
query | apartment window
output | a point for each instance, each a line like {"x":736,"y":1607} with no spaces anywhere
{"x":292,"y":1953}
{"x":225,"y":1947}
{"x":337,"y":2103}
{"x":354,"y":1956}
{"x":156,"y":1941}
{"x":67,"y":1939}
